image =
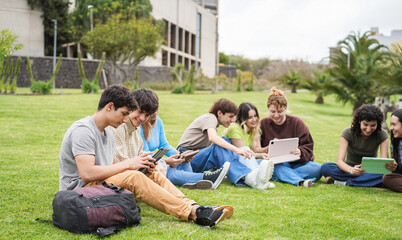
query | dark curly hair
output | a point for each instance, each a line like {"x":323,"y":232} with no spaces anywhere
{"x":366,"y":112}
{"x":224,"y":105}
{"x":395,"y":141}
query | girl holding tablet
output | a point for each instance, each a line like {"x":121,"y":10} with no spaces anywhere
{"x":279,"y":125}
{"x":360,"y":140}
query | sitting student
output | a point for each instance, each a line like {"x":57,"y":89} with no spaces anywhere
{"x":202,"y":132}
{"x":360,"y":140}
{"x":179,"y":170}
{"x":278,"y":125}
{"x":87,"y":158}
{"x":245,"y":134}
{"x":393,"y":181}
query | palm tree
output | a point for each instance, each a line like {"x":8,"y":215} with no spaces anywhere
{"x":360,"y":65}
{"x":292,"y":79}
{"x":319,"y":85}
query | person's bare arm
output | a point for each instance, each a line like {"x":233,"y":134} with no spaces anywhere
{"x":90,"y":172}
{"x":214,"y":138}
{"x":384,"y":148}
{"x":343,"y":146}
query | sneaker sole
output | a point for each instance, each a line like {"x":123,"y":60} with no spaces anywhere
{"x":218,"y":181}
{"x":202,"y":185}
{"x":308,"y":184}
{"x":227,"y":213}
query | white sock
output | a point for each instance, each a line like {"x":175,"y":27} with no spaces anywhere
{"x":339,"y":182}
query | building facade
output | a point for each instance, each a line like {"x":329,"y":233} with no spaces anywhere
{"x":190,"y":35}
{"x":26,"y":23}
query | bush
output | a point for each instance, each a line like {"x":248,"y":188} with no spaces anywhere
{"x":42,"y":87}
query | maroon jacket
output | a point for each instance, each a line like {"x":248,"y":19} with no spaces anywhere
{"x":292,"y":127}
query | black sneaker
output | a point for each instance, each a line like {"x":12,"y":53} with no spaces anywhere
{"x":202,"y":184}
{"x":211,"y":215}
{"x":217,"y":176}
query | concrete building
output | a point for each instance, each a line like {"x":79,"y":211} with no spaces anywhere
{"x":27,"y":24}
{"x":190,"y":35}
{"x":392,"y":41}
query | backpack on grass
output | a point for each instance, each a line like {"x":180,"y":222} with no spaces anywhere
{"x":102,"y":210}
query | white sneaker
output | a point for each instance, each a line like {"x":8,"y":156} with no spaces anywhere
{"x":265,"y":171}
{"x":251,"y":178}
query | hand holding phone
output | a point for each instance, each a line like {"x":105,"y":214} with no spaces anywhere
{"x":157,"y":156}
{"x":188,"y":155}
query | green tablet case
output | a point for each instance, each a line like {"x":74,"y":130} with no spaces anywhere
{"x":376,"y":165}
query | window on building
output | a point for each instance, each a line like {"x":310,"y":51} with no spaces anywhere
{"x":164,"y":58}
{"x":180,"y":39}
{"x":166,"y":36}
{"x":193,"y":44}
{"x":180,"y":59}
{"x":172,"y":36}
{"x":172,"y":59}
{"x":186,"y":42}
{"x":198,"y":41}
{"x":186,"y":63}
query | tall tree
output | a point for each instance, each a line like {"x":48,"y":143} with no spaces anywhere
{"x":127,"y":42}
{"x":360,"y":64}
{"x":79,"y":19}
{"x":58,"y":10}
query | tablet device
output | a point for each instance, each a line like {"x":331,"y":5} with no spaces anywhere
{"x":376,"y":165}
{"x":157,"y":156}
{"x":280,"y":150}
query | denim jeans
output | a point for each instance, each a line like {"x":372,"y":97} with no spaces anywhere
{"x":363,"y":180}
{"x":248,"y":162}
{"x":183,"y":174}
{"x":295,"y":173}
{"x":215,"y":156}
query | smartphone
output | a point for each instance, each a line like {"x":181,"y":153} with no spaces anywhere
{"x":157,"y":156}
{"x":188,"y":154}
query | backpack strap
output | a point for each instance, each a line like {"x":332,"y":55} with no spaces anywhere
{"x":102,"y":232}
{"x":43,"y":220}
{"x":113,"y":187}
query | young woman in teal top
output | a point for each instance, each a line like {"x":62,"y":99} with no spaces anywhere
{"x":245,"y":134}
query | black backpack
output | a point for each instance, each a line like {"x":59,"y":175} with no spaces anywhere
{"x":102,"y":210}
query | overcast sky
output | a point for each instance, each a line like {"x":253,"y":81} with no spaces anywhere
{"x":302,"y":29}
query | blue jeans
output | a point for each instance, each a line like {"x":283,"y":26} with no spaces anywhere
{"x":248,"y":162}
{"x":363,"y":180}
{"x":295,"y":173}
{"x":215,"y":156}
{"x":183,"y":174}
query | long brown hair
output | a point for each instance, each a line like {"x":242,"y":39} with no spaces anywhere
{"x":395,"y":141}
{"x":242,"y":117}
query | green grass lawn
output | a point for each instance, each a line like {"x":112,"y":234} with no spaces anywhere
{"x":32,"y":128}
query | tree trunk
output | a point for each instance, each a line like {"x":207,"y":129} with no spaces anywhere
{"x":294,"y":89}
{"x":319,"y":100}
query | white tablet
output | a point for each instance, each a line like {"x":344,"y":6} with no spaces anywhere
{"x":280,"y":150}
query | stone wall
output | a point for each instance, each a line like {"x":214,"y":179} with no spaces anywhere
{"x":69,"y":77}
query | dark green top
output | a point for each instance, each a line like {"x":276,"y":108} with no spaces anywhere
{"x":362,"y":147}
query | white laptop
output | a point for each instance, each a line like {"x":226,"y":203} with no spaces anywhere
{"x":280,"y":150}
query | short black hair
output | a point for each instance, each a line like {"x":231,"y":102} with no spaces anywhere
{"x":147,"y":100}
{"x":120,"y":96}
